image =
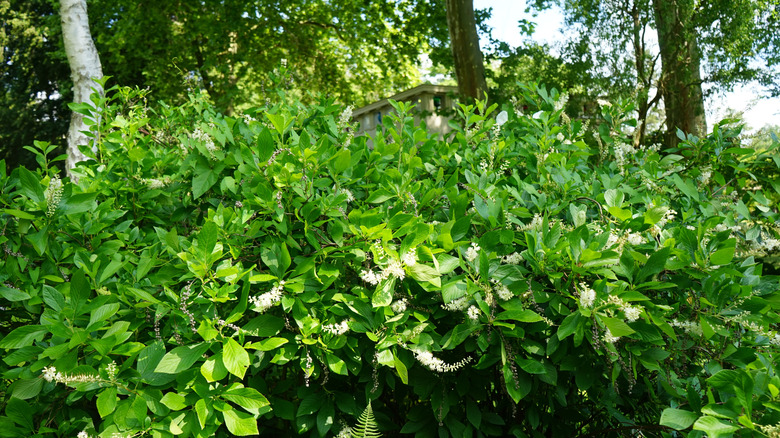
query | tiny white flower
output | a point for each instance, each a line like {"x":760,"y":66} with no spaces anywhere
{"x":399,"y":306}
{"x":473,"y":252}
{"x":267,"y":300}
{"x":336,"y":329}
{"x":83,"y":434}
{"x":587,"y":296}
{"x":49,"y":373}
{"x":395,"y":269}
{"x":513,"y":259}
{"x":636,"y":239}
{"x":503,"y":292}
{"x":609,"y":338}
{"x":410,"y":258}
{"x":632,"y":313}
{"x":473,"y":313}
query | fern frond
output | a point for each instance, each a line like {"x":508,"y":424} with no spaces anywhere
{"x":367,"y":426}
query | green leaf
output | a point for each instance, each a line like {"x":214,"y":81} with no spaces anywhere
{"x":181,"y":358}
{"x":25,"y":389}
{"x":531,"y":366}
{"x":101,"y":314}
{"x":213,"y":368}
{"x":713,"y":427}
{"x":106,"y":401}
{"x":235,"y":358}
{"x":148,"y":359}
{"x":613,"y":198}
{"x":205,"y":176}
{"x":688,"y":187}
{"x":342,"y":160}
{"x":678,"y":419}
{"x":174,"y":401}
{"x":400,"y":367}
{"x":79,"y":203}
{"x":23,"y":336}
{"x":724,"y":256}
{"x":249,"y":399}
{"x":265,"y":145}
{"x":383,"y":295}
{"x":18,"y":213}
{"x":521,"y":315}
{"x":269,"y":344}
{"x":207,"y":237}
{"x":325,"y":418}
{"x":422,"y":272}
{"x":616,"y":326}
{"x":240,"y":423}
{"x":569,"y":325}
{"x":39,"y":240}
{"x":367,"y":426}
{"x":13,"y":294}
{"x":654,"y":264}
{"x":516,"y":387}
{"x":31,"y":185}
{"x":336,"y":364}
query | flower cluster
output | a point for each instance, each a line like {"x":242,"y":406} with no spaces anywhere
{"x":154,"y":183}
{"x":348,"y":194}
{"x":267,"y":300}
{"x":207,"y":141}
{"x":623,"y":153}
{"x":473,"y":313}
{"x":473,"y":252}
{"x":399,"y":306}
{"x":111,"y":370}
{"x":536,"y":224}
{"x":587,"y":296}
{"x":690,"y":327}
{"x":410,"y":258}
{"x":457,"y":305}
{"x":372,"y":277}
{"x":631,"y":313}
{"x":53,"y":194}
{"x":395,"y":269}
{"x":336,"y":329}
{"x":503,"y":292}
{"x":513,"y":259}
{"x":344,"y":125}
{"x":50,"y":374}
{"x":609,"y":338}
{"x":437,"y":365}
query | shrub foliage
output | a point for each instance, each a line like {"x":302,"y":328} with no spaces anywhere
{"x":270,"y":274}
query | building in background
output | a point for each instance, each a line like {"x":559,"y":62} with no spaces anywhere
{"x":434,"y":106}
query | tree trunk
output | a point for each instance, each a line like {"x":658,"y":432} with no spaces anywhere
{"x":84,"y":66}
{"x":680,"y":62}
{"x":469,"y":68}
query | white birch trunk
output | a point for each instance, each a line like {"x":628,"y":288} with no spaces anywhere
{"x":84,"y":66}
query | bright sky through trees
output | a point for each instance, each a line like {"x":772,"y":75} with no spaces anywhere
{"x":506,"y":13}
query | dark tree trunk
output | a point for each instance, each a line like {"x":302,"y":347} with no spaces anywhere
{"x":680,"y":59}
{"x":469,"y":68}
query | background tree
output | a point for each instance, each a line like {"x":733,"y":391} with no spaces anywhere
{"x":34,"y":82}
{"x":352,"y":51}
{"x":466,"y":53}
{"x":84,"y":68}
{"x":721,"y":43}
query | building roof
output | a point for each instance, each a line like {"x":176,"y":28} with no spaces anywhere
{"x":404,"y":95}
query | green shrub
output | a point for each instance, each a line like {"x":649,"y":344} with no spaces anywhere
{"x":269,"y":274}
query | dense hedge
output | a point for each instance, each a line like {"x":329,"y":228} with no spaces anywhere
{"x":211,"y":275}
